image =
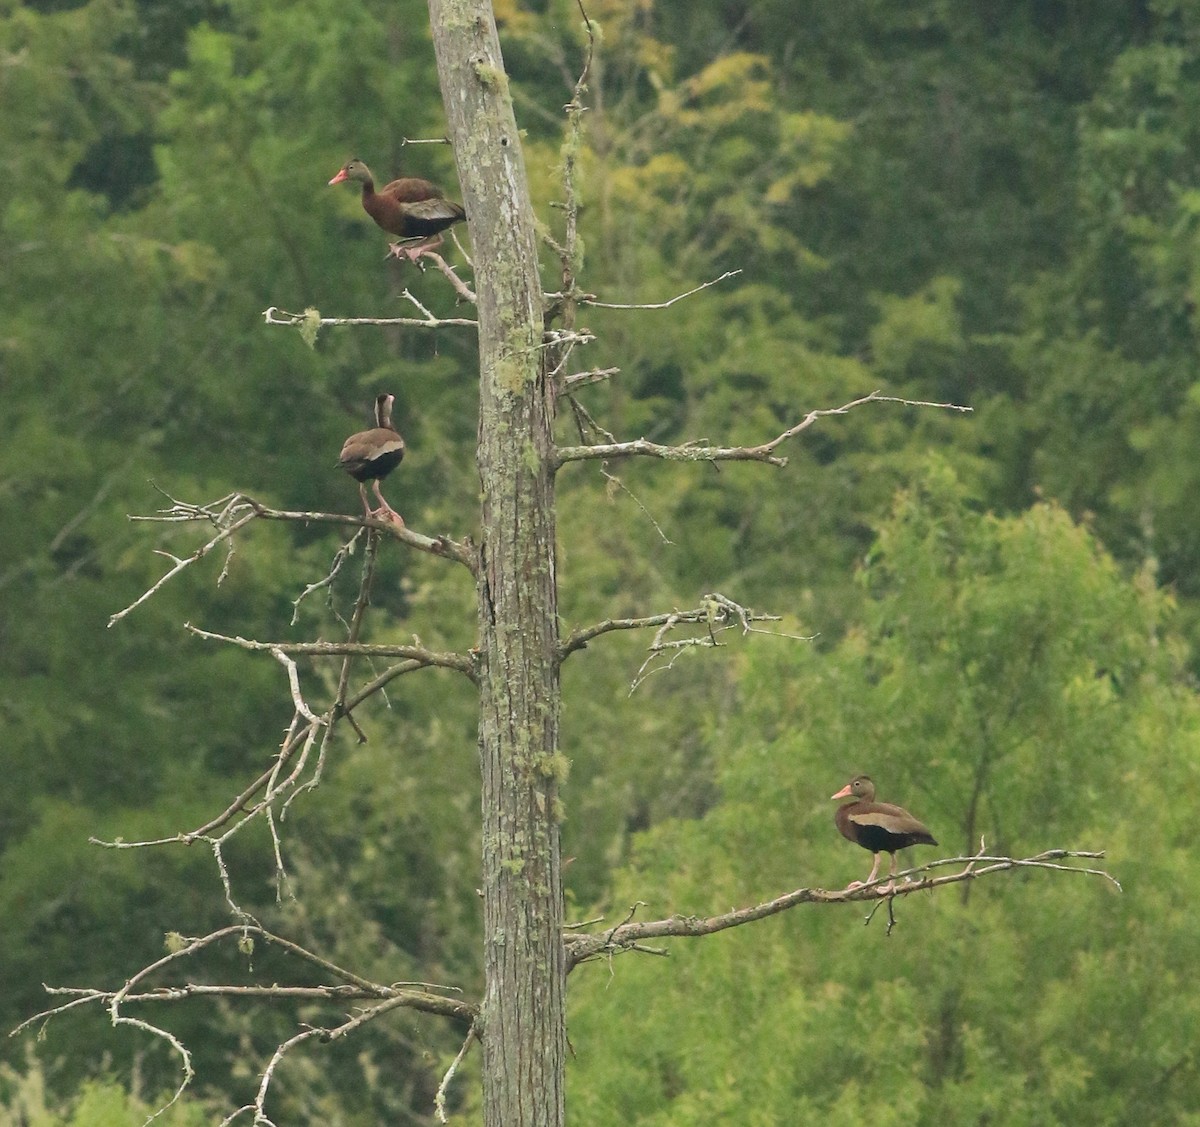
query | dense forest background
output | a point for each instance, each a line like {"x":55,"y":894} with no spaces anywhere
{"x":992,"y":204}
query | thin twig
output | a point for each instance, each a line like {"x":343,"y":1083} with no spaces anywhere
{"x":713,"y":608}
{"x":353,"y":633}
{"x":352,"y":986}
{"x":439,"y":1099}
{"x":591,"y":299}
{"x":181,"y":563}
{"x":339,"y":559}
{"x":233,"y":512}
{"x":764,"y":452}
{"x":617,"y":483}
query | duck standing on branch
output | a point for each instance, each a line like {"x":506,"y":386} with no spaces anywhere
{"x":877,"y":826}
{"x":414,"y":209}
{"x":372,"y":454}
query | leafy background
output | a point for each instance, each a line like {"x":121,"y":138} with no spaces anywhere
{"x":992,"y":204}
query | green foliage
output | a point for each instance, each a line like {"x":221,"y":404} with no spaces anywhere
{"x":1007,"y":656}
{"x":101,"y":1103}
{"x":990,"y":204}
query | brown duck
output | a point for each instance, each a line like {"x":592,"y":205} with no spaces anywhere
{"x":877,"y":826}
{"x":414,"y":209}
{"x":372,"y":454}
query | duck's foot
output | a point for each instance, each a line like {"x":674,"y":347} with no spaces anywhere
{"x":387,"y":513}
{"x":409,"y":252}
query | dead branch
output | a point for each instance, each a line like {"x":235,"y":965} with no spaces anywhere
{"x":717,"y":613}
{"x":353,"y":631}
{"x":460,"y":287}
{"x":179,"y":563}
{"x":419,"y":655}
{"x":581,"y":947}
{"x":326,"y":583}
{"x":284,"y":780}
{"x":233,"y":512}
{"x":439,"y":1099}
{"x":715,"y":610}
{"x":415,"y":996}
{"x":591,"y":299}
{"x":323,"y":1034}
{"x":275,"y":316}
{"x":379,"y":682}
{"x":697,"y":452}
{"x":617,"y":483}
{"x":577,"y":380}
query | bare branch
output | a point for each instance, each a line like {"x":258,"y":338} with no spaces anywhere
{"x":353,"y":632}
{"x":581,"y":947}
{"x":460,"y":287}
{"x":718,"y":614}
{"x":617,"y":483}
{"x":568,"y":250}
{"x":325,"y":1036}
{"x":339,"y":560}
{"x":298,"y":701}
{"x":581,"y":379}
{"x":417,"y":654}
{"x":590,"y":299}
{"x":274,"y":316}
{"x":416,"y":996}
{"x":439,"y":1099}
{"x":233,"y":512}
{"x":764,"y":452}
{"x":385,"y":678}
{"x":180,"y":564}
{"x":578,"y":639}
{"x":272,"y":784}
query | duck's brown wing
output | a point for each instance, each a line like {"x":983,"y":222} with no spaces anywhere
{"x":892,"y":820}
{"x":371,"y":453}
{"x":409,"y":189}
{"x":437,"y":210}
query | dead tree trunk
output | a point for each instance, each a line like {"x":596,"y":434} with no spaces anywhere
{"x":522,"y":1015}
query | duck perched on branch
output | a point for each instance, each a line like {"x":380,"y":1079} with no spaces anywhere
{"x":370,"y":455}
{"x":414,"y":209}
{"x":877,"y":826}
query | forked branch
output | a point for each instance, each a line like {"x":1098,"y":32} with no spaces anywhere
{"x":698,"y":452}
{"x":347,"y":986}
{"x":415,"y":656}
{"x":716,"y":612}
{"x":231,"y":513}
{"x":627,"y":935}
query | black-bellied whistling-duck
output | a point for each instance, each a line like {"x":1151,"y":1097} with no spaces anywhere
{"x":877,"y":826}
{"x":414,"y":209}
{"x":372,"y":454}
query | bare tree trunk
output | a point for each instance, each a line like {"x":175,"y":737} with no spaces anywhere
{"x":522,"y":1016}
